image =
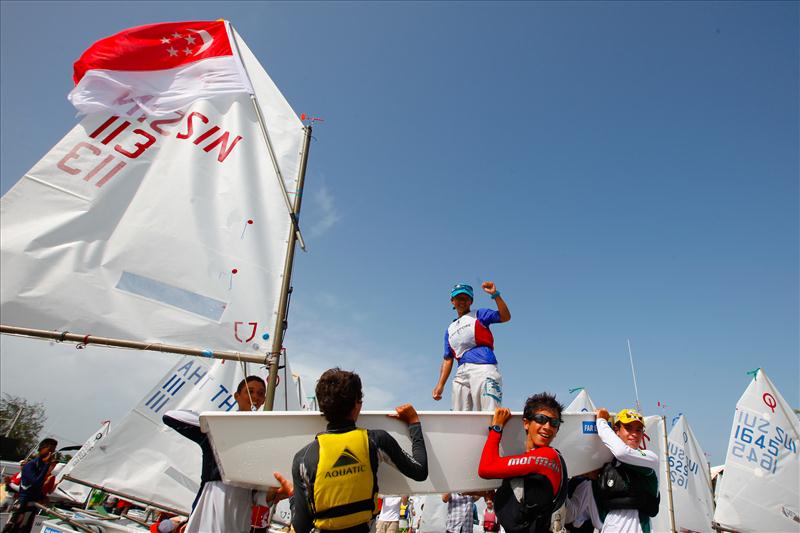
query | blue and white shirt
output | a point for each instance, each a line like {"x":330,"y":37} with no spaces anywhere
{"x":469,"y":340}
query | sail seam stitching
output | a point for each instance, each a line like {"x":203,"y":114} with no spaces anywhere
{"x":56,"y":187}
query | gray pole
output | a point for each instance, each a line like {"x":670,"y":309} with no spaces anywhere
{"x":669,"y":478}
{"x":286,"y":286}
{"x":13,"y":422}
{"x":63,"y":336}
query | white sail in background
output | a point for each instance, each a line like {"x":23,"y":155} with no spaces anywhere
{"x":692,"y":497}
{"x":144,"y":459}
{"x":171,"y":229}
{"x":74,"y":491}
{"x":655,"y":430}
{"x":289,"y":395}
{"x":760,"y":490}
{"x":581,"y":404}
{"x":434,"y":514}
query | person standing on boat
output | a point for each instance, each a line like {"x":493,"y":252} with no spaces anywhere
{"x":217,"y":506}
{"x":478,"y":385}
{"x":335,"y":476}
{"x":626,"y":490}
{"x":31,"y":487}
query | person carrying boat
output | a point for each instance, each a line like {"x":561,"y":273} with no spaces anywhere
{"x":626,"y":490}
{"x":217,"y":506}
{"x":389,"y":518}
{"x":534,"y":483}
{"x":478,"y":385}
{"x":459,"y":512}
{"x":31,"y":487}
{"x":335,"y":476}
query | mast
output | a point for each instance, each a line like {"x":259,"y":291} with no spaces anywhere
{"x":286,"y":286}
{"x":635,"y":386}
{"x":670,"y":505}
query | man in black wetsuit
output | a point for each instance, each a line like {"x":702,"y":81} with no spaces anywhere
{"x":335,"y":477}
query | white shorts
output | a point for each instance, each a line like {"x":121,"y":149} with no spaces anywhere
{"x":220,"y":508}
{"x":581,"y":507}
{"x":477,"y":388}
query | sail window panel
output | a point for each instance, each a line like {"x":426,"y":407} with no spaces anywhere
{"x":173,"y":296}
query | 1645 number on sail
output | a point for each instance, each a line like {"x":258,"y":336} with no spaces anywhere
{"x":757,"y":440}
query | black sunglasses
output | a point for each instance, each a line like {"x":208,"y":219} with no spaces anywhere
{"x":539,"y":418}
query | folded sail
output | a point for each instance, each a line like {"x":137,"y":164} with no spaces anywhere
{"x":169,"y":229}
{"x":760,"y":490}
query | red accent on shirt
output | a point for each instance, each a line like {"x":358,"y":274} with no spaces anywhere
{"x":542,"y":461}
{"x":483,"y":335}
{"x":155,"y":47}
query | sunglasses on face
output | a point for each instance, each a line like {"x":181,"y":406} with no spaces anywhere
{"x":539,"y":418}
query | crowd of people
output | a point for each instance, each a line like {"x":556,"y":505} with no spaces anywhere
{"x":334,"y":479}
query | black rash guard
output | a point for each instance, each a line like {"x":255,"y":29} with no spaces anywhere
{"x":187,"y":423}
{"x":382,"y":448}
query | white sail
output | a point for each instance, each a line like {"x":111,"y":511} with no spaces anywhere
{"x":581,"y":404}
{"x":289,"y":395}
{"x":79,"y":456}
{"x":655,"y":430}
{"x":434,"y":514}
{"x":692,"y":497}
{"x":165,"y":230}
{"x":760,"y":490}
{"x":74,"y":491}
{"x":145,"y":460}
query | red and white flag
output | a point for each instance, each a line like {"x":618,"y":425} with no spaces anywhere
{"x":161,"y":67}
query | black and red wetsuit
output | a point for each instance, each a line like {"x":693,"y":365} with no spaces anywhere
{"x":543,"y":461}
{"x":540,"y":473}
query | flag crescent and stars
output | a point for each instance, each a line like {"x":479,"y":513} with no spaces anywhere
{"x":156,"y":47}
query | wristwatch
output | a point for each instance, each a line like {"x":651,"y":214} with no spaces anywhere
{"x":498,"y":428}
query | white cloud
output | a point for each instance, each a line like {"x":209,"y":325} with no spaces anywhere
{"x":324,"y":215}
{"x":79,"y":388}
{"x":391,"y":374}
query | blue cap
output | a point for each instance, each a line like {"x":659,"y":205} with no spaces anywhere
{"x":462,"y":288}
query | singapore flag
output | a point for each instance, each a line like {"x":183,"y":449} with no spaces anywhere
{"x":161,"y":67}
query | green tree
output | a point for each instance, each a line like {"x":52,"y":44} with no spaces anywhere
{"x":24,"y":435}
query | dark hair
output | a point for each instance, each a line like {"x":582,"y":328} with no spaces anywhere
{"x":248,"y":379}
{"x":338,"y":391}
{"x":543,"y":400}
{"x":48,"y":442}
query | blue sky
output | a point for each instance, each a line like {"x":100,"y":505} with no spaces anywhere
{"x":619,"y":170}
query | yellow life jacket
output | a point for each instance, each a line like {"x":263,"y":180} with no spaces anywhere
{"x":344,"y":486}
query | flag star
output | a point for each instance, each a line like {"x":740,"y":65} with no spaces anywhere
{"x":176,"y":35}
{"x":172,"y":51}
{"x":190,"y":39}
{"x":165,"y":40}
{"x":187,"y":51}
